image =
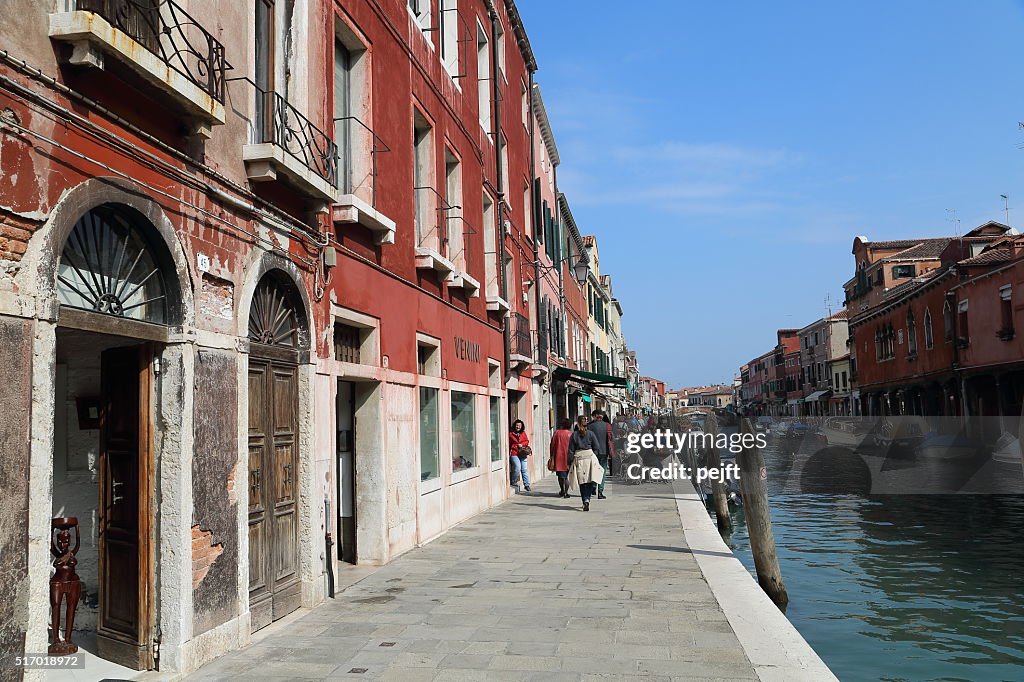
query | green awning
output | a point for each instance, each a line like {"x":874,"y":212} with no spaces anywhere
{"x":589,"y":378}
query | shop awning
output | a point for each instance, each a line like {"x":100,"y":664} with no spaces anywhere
{"x":589,"y":378}
{"x":818,"y":395}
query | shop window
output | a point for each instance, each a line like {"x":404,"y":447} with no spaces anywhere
{"x":497,"y":432}
{"x":429,"y":438}
{"x":463,"y":431}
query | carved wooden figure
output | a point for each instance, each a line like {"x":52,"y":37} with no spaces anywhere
{"x":65,"y":584}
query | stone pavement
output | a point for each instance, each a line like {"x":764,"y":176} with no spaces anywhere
{"x":534,"y":589}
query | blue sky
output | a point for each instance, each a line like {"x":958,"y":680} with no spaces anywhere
{"x":727,"y":154}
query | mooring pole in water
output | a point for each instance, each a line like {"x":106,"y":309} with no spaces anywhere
{"x":717,"y":485}
{"x":754,"y":485}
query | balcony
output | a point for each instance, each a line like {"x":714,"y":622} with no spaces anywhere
{"x":521,"y":347}
{"x":357,"y":203}
{"x":290,"y":147}
{"x":156,"y":39}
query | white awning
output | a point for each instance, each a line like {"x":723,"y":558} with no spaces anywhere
{"x":818,"y":395}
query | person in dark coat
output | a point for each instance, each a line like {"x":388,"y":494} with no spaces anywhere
{"x":602,"y":431}
{"x":584,"y":469}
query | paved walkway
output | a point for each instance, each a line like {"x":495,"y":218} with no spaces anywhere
{"x":535,"y":589}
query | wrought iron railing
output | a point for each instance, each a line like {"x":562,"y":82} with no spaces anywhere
{"x":346,"y":140}
{"x":280,"y":123}
{"x":522,"y":344}
{"x":168,"y":31}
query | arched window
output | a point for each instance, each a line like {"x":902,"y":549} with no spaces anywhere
{"x":929,"y":338}
{"x":273,"y":316}
{"x":109,"y":266}
{"x":947,"y":320}
{"x":911,"y":334}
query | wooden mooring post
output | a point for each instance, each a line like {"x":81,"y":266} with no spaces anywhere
{"x":754,"y":486}
{"x":719,"y":498}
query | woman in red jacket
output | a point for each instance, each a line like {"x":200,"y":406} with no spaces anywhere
{"x":559,"y":462}
{"x":518,"y":451}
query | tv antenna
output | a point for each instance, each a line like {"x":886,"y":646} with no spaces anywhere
{"x":956,"y":221}
{"x":1006,"y":208}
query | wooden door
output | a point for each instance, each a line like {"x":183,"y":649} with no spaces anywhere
{"x":273,"y":500}
{"x":125,"y":629}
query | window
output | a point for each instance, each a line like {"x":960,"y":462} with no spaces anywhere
{"x":527,"y":209}
{"x":499,"y":47}
{"x":491,"y":239}
{"x":844,"y":379}
{"x":429,"y":441}
{"x":496,"y":431}
{"x":1006,"y":311}
{"x":503,"y":156}
{"x":423,"y":182}
{"x":463,"y":431}
{"x":347,"y":342}
{"x":947,"y":321}
{"x":899,"y":271}
{"x":929,"y":338}
{"x":264,"y":74}
{"x":453,"y":211}
{"x":911,"y":334}
{"x":449,"y":22}
{"x":428,"y":356}
{"x":483,"y":77}
{"x":525,"y":95}
{"x":343,"y":113}
{"x":420,"y":10}
{"x":964,"y":331}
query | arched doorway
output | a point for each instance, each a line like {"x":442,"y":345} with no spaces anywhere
{"x":117,"y":290}
{"x":277,"y":333}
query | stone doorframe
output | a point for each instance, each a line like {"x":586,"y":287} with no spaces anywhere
{"x":172,"y":439}
{"x":310,"y":506}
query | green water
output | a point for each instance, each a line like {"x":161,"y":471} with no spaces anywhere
{"x":901,"y":587}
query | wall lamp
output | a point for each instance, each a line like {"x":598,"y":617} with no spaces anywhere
{"x":580,"y":269}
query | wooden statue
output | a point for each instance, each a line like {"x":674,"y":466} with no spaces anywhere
{"x":65,"y":584}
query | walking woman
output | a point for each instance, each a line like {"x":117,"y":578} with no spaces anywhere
{"x":584,"y":468}
{"x":518,"y":451}
{"x":559,"y":460}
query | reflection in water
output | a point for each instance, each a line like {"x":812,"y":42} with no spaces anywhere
{"x":900,"y":587}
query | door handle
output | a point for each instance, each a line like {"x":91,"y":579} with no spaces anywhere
{"x":254,"y":482}
{"x":287,"y":474}
{"x":114,"y":497}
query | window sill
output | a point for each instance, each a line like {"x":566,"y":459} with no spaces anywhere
{"x":465,"y":474}
{"x":430,"y":259}
{"x":498,"y":465}
{"x":431,"y":485}
{"x":496,"y":304}
{"x":267,"y":161}
{"x":464,"y":281}
{"x":350,"y":209}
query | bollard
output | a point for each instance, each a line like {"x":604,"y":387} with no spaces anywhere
{"x":754,"y":484}
{"x":719,"y":499}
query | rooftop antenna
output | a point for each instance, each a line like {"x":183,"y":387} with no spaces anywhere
{"x":956,"y":221}
{"x":1006,"y":208}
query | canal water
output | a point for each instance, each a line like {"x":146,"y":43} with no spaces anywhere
{"x":900,"y":587}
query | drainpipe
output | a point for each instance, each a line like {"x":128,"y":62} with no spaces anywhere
{"x":492,"y":14}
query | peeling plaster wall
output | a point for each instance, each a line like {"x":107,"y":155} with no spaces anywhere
{"x":16,"y":339}
{"x":214,"y":491}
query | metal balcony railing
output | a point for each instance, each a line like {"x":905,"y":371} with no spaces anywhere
{"x":522,"y":344}
{"x":169,"y":32}
{"x":347,"y":130}
{"x":279,"y":123}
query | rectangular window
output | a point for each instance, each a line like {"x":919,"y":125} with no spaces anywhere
{"x":527,"y":210}
{"x":429,"y":439}
{"x":900,"y":271}
{"x":463,"y":431}
{"x":483,"y":77}
{"x":449,"y":22}
{"x":420,"y":10}
{"x":491,"y":239}
{"x":264,"y":68}
{"x":423,"y":184}
{"x":347,"y":342}
{"x":453,"y":211}
{"x":844,"y":379}
{"x":1006,"y":310}
{"x":342,"y":114}
{"x":524,"y":93}
{"x":499,"y":47}
{"x":428,"y":357}
{"x":496,"y":431}
{"x":963,"y":323}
